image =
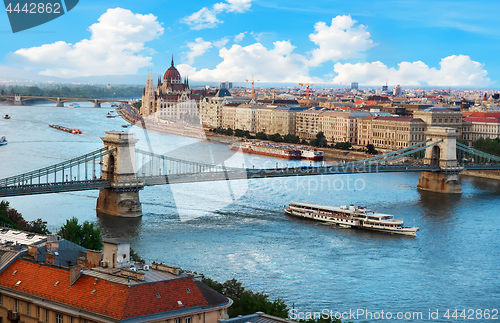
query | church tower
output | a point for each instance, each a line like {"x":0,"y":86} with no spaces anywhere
{"x":148,"y":98}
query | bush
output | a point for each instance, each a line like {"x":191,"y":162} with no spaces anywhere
{"x":247,"y":302}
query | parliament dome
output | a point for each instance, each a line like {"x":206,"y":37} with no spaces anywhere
{"x":172,"y":74}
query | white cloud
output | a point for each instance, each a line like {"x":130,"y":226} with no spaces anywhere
{"x":198,"y":48}
{"x":278,"y":64}
{"x":207,"y":18}
{"x":455,"y":70}
{"x":114,"y":48}
{"x":239,"y":37}
{"x":341,"y":40}
{"x":221,"y":42}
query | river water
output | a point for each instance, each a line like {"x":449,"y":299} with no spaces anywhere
{"x":238,"y":229}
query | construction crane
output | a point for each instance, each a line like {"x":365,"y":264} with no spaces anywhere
{"x":307,"y":91}
{"x":252,"y":95}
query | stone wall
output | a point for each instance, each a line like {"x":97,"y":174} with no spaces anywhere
{"x":491,"y":174}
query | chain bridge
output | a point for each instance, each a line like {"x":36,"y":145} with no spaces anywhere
{"x":119,"y":170}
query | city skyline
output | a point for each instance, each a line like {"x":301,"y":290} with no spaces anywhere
{"x":424,"y":44}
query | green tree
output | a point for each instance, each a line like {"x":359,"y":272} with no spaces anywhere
{"x":228,"y":132}
{"x":137,"y":105}
{"x":239,"y":133}
{"x":135,"y":256}
{"x":247,"y":302}
{"x":276,"y":137}
{"x":37,"y":226}
{"x":291,"y":139}
{"x":370,"y":149}
{"x":261,"y":136}
{"x":322,"y":319}
{"x":16,"y":218}
{"x":85,"y":235}
{"x":34,"y":90}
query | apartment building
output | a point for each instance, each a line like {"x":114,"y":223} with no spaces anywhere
{"x":441,"y":117}
{"x":309,"y":123}
{"x":481,"y":125}
{"x":340,"y":126}
{"x":229,"y":115}
{"x":283,"y":119}
{"x":390,"y":133}
{"x":97,"y":287}
{"x":264,"y":120}
{"x":211,"y":114}
{"x":246,"y":117}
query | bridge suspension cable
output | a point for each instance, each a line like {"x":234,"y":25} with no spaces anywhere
{"x":473,"y":155}
{"x":151,"y":164}
{"x":82,"y":168}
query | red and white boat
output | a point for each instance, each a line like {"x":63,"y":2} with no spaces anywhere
{"x":311,"y":154}
{"x":267,"y":149}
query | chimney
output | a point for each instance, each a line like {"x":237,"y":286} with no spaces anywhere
{"x":93,"y":258}
{"x":74,"y":274}
{"x":50,"y":258}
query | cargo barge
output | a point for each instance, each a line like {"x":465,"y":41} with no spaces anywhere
{"x":267,"y":149}
{"x":74,"y":131}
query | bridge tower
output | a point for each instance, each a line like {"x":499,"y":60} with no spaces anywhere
{"x":97,"y":104}
{"x":18,"y":100}
{"x":444,"y":155}
{"x":122,"y":199}
{"x":59,"y":103}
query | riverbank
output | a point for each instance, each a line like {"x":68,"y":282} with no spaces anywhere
{"x":328,"y":153}
{"x":490,"y":174}
{"x":166,"y":127}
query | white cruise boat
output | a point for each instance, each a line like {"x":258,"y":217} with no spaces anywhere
{"x":74,"y":105}
{"x":344,"y":216}
{"x":311,"y":154}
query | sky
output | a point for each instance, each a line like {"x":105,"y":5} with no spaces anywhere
{"x":424,"y":43}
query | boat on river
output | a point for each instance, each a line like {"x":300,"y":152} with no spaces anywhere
{"x":74,"y":131}
{"x":350,"y":217}
{"x":311,"y":154}
{"x":6,"y":116}
{"x":74,"y":105}
{"x":268,"y":149}
{"x":3,"y":141}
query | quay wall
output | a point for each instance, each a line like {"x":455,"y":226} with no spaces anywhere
{"x":491,"y":174}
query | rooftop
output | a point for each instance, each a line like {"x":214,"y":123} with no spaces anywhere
{"x":106,"y":297}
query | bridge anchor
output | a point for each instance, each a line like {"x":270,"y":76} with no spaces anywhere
{"x":439,"y":182}
{"x":444,"y":155}
{"x":122,"y":199}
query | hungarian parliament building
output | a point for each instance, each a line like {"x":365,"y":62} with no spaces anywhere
{"x":171,"y":100}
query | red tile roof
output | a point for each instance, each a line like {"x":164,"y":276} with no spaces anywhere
{"x":396,"y":119}
{"x":482,"y":114}
{"x":110,"y":299}
{"x":486,"y":119}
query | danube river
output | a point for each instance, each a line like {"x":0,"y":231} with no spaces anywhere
{"x":238,"y":229}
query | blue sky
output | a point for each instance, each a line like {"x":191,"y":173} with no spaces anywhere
{"x":412,"y":43}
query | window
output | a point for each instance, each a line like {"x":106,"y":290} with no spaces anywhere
{"x":177,"y":320}
{"x":188,"y":319}
{"x":28,"y":309}
{"x":1,"y":299}
{"x":59,"y":318}
{"x":16,"y":305}
{"x":46,"y":315}
{"x":38,"y":311}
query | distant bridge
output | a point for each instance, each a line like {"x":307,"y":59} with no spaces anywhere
{"x":19,"y":99}
{"x":119,"y":182}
